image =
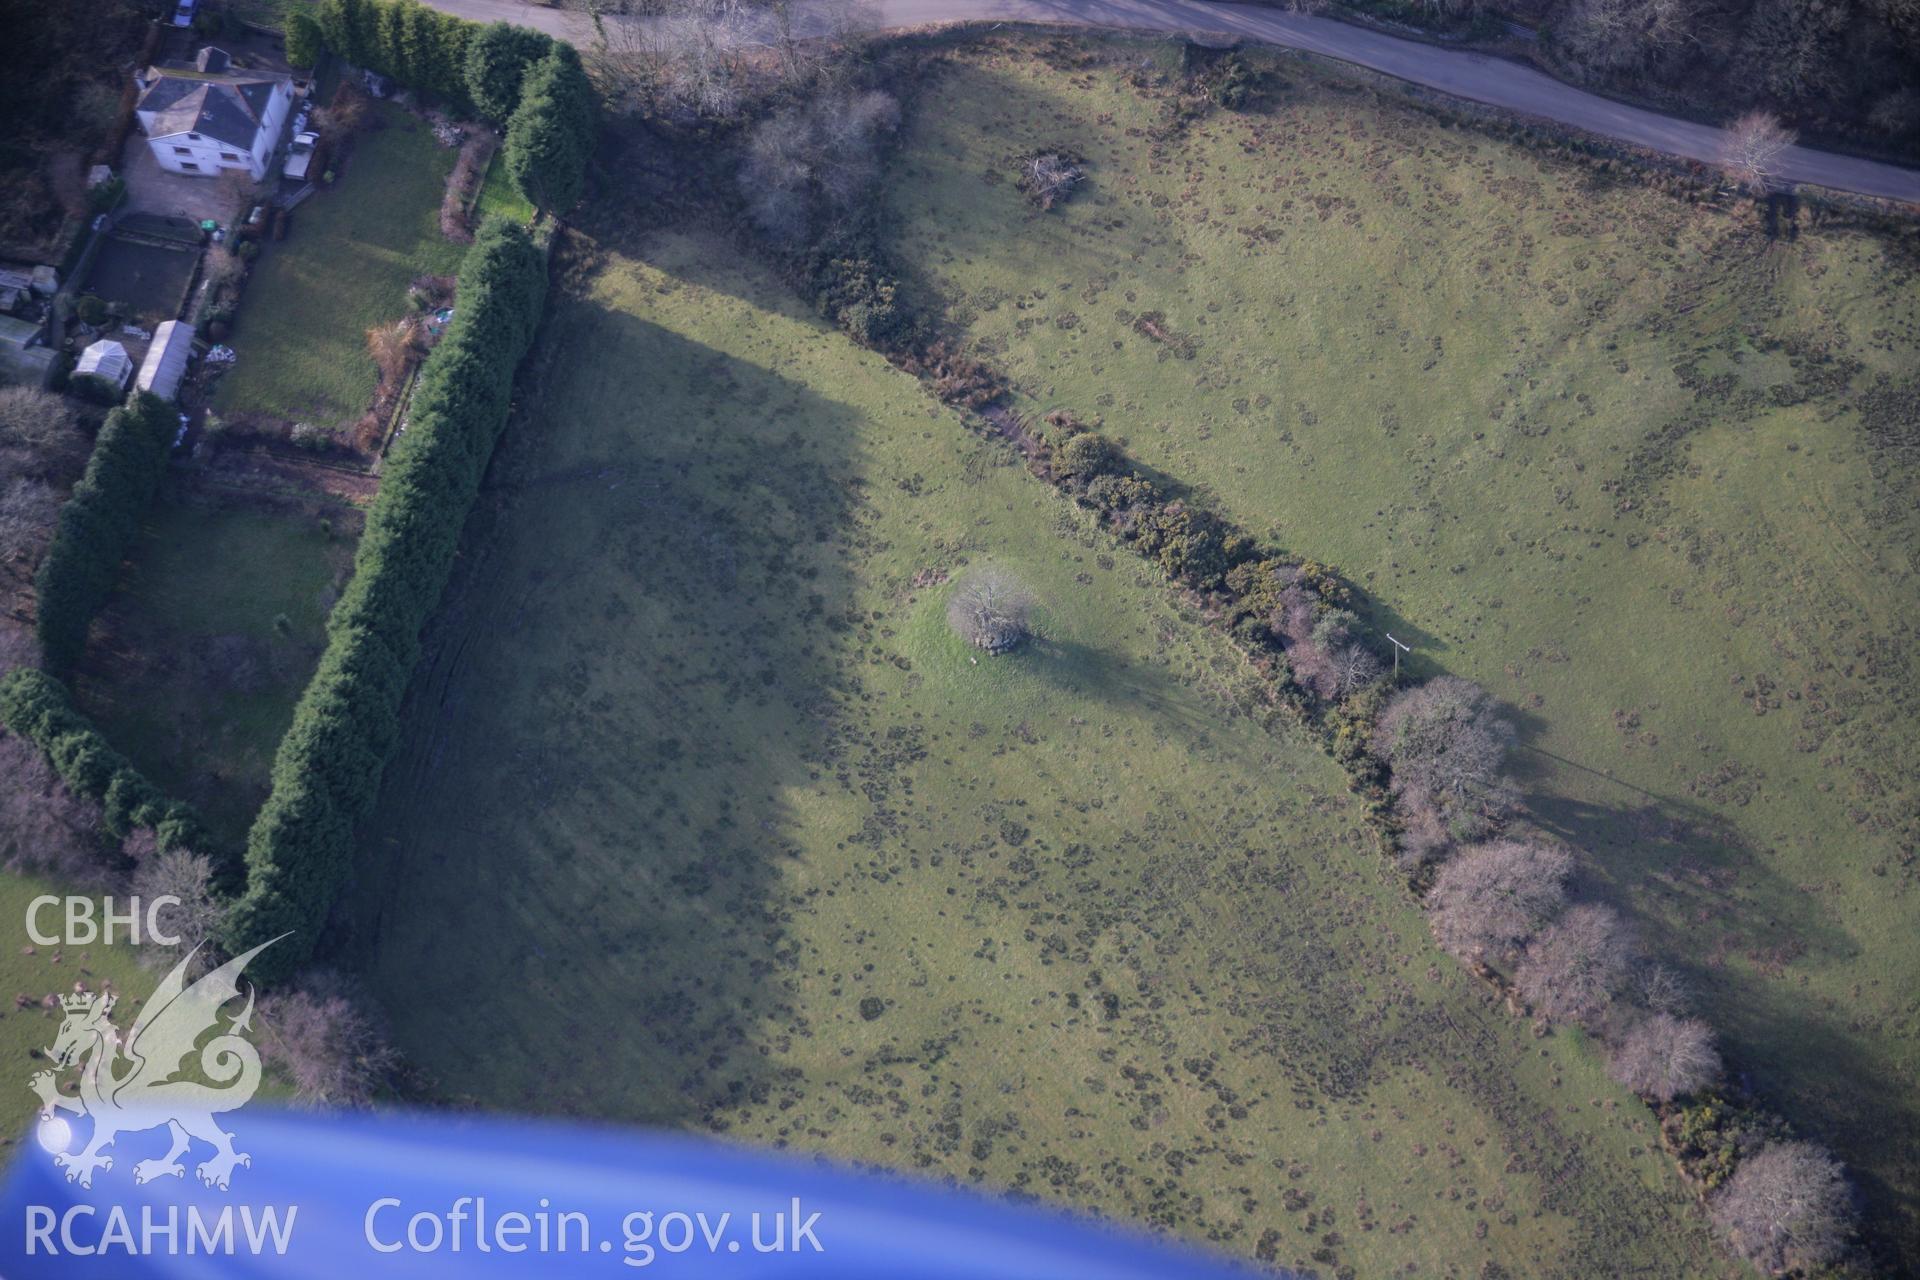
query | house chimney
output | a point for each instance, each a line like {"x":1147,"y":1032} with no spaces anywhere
{"x":212,"y":60}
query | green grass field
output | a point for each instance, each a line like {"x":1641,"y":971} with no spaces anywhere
{"x":1643,"y":472}
{"x":301,"y":332}
{"x":499,"y":198}
{"x":209,"y":642}
{"x":30,"y":974}
{"x":733,"y":834}
{"x":37,"y":972}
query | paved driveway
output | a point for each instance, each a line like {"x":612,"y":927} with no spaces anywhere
{"x":151,"y":189}
{"x":1475,"y":76}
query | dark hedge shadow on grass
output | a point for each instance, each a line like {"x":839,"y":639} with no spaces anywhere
{"x":571,"y":896}
{"x":1704,"y":903}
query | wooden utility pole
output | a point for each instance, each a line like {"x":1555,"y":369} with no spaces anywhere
{"x":1397,"y":647}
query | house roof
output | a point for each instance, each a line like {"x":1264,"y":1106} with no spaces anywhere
{"x":225,"y":108}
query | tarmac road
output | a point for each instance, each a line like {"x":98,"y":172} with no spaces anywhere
{"x":1474,"y":76}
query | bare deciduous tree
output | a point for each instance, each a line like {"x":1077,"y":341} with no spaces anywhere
{"x":33,"y":419}
{"x":1663,"y":1057}
{"x":37,"y":434}
{"x":1447,"y":743}
{"x":1611,"y":35}
{"x":321,"y":1035}
{"x":1355,"y":667}
{"x":1752,"y":149}
{"x":1577,"y":964}
{"x":1663,"y":990}
{"x":825,"y":154}
{"x":1494,"y":898}
{"x":991,"y":610}
{"x":196,"y":917}
{"x":44,"y":827}
{"x":1786,"y":1206}
{"x":18,"y":648}
{"x":1324,"y":654}
{"x":27,"y":512}
{"x":693,"y":56}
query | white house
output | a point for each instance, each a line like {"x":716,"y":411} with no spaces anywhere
{"x":205,"y":119}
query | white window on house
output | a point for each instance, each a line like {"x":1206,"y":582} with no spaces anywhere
{"x":183,"y":151}
{"x":228,"y":155}
{"x":194,"y":137}
{"x":188,"y":164}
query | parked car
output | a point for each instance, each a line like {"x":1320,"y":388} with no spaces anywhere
{"x":299,"y":156}
{"x":183,"y":13}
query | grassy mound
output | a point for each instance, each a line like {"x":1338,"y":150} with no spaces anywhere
{"x":733,"y":831}
{"x":1639,"y":469}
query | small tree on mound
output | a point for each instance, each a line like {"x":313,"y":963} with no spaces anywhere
{"x":1491,"y":899}
{"x":1048,"y":179}
{"x":1663,"y":1057}
{"x":1786,"y":1206}
{"x":1575,"y":968}
{"x":991,"y":610}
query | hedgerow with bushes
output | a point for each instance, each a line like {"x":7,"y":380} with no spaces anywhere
{"x":39,"y":708}
{"x":326,"y":773}
{"x":98,"y":523}
{"x":1428,"y":759}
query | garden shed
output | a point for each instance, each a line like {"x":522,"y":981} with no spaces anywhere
{"x":108,"y":361}
{"x":166,"y":361}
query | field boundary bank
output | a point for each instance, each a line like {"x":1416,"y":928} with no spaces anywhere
{"x":1227,"y":576}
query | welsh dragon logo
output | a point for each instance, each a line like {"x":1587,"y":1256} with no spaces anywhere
{"x":139,"y":1085}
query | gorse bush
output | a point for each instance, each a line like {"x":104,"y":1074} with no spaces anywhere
{"x":98,"y":523}
{"x":39,"y":709}
{"x":326,"y":773}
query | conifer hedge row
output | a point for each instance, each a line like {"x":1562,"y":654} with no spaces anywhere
{"x":527,"y":81}
{"x":327,"y":771}
{"x":39,"y":708}
{"x":98,"y":523}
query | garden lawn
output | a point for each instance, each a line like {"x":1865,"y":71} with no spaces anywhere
{"x":499,"y":198}
{"x":1645,"y":473}
{"x":301,"y":331}
{"x":210,"y":640}
{"x":705,"y":819}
